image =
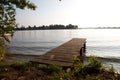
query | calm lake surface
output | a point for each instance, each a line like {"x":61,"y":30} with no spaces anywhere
{"x":100,"y":42}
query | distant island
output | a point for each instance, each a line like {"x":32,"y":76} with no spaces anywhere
{"x":60,"y":26}
{"x":50,"y":27}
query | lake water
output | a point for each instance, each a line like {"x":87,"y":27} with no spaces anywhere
{"x":100,"y":42}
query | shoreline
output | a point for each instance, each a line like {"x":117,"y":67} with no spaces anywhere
{"x":107,"y":59}
{"x":26,"y":71}
{"x":10,"y":55}
{"x":11,"y":58}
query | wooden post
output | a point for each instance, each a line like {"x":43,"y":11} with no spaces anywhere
{"x":81,"y":52}
{"x":84,"y":47}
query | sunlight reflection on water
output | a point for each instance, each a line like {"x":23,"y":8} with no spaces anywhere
{"x":100,"y":42}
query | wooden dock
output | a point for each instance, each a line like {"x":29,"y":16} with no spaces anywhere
{"x":63,"y":54}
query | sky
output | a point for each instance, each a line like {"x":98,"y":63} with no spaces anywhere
{"x":84,"y":13}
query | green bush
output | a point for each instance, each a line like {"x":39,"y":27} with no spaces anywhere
{"x":80,"y":69}
{"x":62,"y":75}
{"x":94,"y":65}
{"x":52,"y":68}
{"x":111,"y":68}
{"x":20,"y":65}
{"x":57,"y":72}
{"x":4,"y":67}
{"x":117,"y":76}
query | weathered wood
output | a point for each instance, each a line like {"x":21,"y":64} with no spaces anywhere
{"x":63,"y":55}
{"x":42,"y":61}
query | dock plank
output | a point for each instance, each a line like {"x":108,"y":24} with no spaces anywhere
{"x":63,"y":55}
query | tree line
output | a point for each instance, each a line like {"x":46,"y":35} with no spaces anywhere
{"x":44,"y":27}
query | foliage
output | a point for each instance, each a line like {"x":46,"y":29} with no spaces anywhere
{"x":77,"y":64}
{"x":112,"y":69}
{"x":20,"y":65}
{"x":79,"y":70}
{"x":44,"y":27}
{"x":54,"y":72}
{"x":78,"y":67}
{"x":3,"y":67}
{"x":62,"y":75}
{"x":8,"y":12}
{"x":58,"y":73}
{"x":94,"y":65}
{"x":117,"y":76}
{"x":52,"y":69}
{"x":2,"y":49}
{"x":7,"y":17}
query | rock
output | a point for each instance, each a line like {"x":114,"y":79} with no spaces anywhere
{"x":21,"y":78}
{"x":68,"y":70}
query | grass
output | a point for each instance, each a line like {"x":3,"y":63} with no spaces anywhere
{"x":20,"y":65}
{"x":92,"y":70}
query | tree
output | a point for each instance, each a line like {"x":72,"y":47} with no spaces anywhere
{"x":7,"y":17}
{"x":8,"y":12}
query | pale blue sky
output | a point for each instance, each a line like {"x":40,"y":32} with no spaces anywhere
{"x":84,"y":13}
